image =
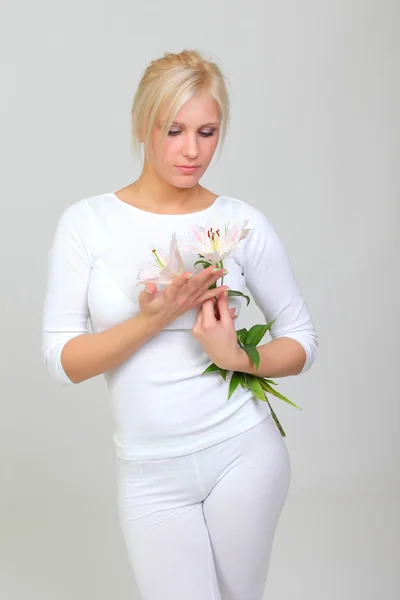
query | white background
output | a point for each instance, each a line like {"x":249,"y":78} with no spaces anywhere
{"x":314,"y":142}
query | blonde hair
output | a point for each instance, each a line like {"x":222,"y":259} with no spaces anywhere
{"x":168,"y":83}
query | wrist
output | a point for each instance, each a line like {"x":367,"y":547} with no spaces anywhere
{"x":240,"y":361}
{"x":148,"y":325}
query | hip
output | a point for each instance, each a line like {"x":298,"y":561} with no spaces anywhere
{"x":259,"y":453}
{"x":185,"y":429}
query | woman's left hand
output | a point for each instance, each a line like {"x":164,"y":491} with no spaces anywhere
{"x":217,"y":335}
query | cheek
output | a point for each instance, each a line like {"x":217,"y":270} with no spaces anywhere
{"x":209,"y":148}
{"x":170,"y":149}
{"x":173,"y":148}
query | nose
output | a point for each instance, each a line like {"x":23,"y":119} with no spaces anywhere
{"x":190,"y":148}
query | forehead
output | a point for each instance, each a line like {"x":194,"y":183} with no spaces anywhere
{"x":200,"y":110}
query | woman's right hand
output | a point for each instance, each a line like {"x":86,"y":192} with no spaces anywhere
{"x":185,"y":292}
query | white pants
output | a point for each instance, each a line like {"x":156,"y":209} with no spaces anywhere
{"x":201,"y":526}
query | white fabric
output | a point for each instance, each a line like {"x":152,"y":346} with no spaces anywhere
{"x":201,"y":526}
{"x":162,"y":405}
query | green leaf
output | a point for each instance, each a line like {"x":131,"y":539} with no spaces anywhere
{"x":223,"y":373}
{"x":241,"y":335}
{"x":235,"y":293}
{"x":253,"y":354}
{"x":202,"y":262}
{"x":271,"y":390}
{"x":244,"y":383}
{"x":256,"y":388}
{"x":211,"y":368}
{"x":270,"y":381}
{"x":234,"y":382}
{"x":256,"y":334}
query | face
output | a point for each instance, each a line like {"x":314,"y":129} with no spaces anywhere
{"x":191,"y":142}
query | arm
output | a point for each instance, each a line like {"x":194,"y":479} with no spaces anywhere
{"x":92,"y":354}
{"x":270,"y":280}
{"x":278,"y":358}
{"x":71,"y":353}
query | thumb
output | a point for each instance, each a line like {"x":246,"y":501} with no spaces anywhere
{"x":223,"y":307}
{"x":147,"y":294}
{"x":232,"y":312}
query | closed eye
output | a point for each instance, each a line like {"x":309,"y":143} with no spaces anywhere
{"x":174,"y":133}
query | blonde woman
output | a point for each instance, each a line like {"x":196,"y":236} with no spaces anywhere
{"x":202,"y":480}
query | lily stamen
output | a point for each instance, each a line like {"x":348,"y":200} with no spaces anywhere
{"x":158,"y":260}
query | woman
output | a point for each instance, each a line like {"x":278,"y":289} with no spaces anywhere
{"x":201,"y":479}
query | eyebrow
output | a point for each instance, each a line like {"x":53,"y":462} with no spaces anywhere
{"x":205,"y":125}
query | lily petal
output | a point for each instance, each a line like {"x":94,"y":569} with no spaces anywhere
{"x":233,"y":234}
{"x":175,"y":262}
{"x":147,"y":274}
{"x":200,"y":234}
{"x":167,"y":268}
{"x":195,"y":249}
{"x":216,"y":242}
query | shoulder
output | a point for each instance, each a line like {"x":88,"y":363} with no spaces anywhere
{"x":75,"y":212}
{"x":82,"y":223}
{"x":263,"y":237}
{"x":88,"y":206}
{"x":240,"y":209}
{"x":86,"y":213}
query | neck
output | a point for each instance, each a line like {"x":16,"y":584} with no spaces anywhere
{"x":155,"y":193}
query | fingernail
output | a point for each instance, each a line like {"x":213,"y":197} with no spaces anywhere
{"x":225,"y":271}
{"x":147,"y":290}
{"x":190,"y":275}
{"x":215,"y":270}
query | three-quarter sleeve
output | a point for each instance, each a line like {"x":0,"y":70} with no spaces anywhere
{"x":270,"y":279}
{"x":65,"y":310}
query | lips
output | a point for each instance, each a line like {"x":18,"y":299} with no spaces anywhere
{"x":187,"y":168}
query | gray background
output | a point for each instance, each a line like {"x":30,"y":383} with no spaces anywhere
{"x":314,"y":142}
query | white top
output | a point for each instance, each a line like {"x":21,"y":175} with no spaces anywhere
{"x":162,"y":404}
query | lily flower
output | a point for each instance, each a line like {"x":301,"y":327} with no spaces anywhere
{"x":215,"y":245}
{"x":165,"y":268}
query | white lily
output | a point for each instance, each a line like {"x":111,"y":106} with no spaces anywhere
{"x":215,"y":245}
{"x":167,"y":267}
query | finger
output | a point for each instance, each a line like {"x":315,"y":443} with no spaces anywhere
{"x":232,"y":312}
{"x":147,"y":294}
{"x":215,"y":309}
{"x":178,"y":283}
{"x":201,"y":282}
{"x":211,"y":293}
{"x":223,"y":308}
{"x":204,"y":279}
{"x":150,"y":287}
{"x":199,"y":322}
{"x":208,"y":313}
{"x":213,"y":275}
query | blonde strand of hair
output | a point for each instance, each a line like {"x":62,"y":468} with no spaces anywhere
{"x":169,"y":82}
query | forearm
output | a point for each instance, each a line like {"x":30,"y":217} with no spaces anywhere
{"x":279,"y":358}
{"x":92,"y":354}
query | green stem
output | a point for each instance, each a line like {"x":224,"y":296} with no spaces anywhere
{"x":279,"y":426}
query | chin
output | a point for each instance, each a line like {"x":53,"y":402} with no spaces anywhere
{"x":187,"y":184}
{"x":184,"y":181}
